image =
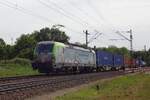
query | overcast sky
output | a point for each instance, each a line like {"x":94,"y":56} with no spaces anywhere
{"x":106,"y":16}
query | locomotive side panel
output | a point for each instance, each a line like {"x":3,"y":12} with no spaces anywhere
{"x":77,"y":57}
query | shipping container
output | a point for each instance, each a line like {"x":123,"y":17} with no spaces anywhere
{"x":140,"y":63}
{"x":104,"y":58}
{"x":127,"y":61}
{"x":133,"y":63}
{"x":118,"y":60}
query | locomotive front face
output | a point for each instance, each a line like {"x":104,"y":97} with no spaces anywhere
{"x":43,"y":57}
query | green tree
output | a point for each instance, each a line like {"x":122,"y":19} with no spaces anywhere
{"x":57,"y":35}
{"x":2,"y":42}
{"x":42,"y":35}
{"x":26,"y":43}
{"x":2,"y":49}
{"x":24,"y":46}
{"x":9,"y":51}
{"x":53,"y":34}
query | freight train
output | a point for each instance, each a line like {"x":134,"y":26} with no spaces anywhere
{"x":57,"y":57}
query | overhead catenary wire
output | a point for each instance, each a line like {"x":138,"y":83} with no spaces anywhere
{"x":59,"y":11}
{"x":97,"y":12}
{"x":83,"y":12}
{"x":89,"y":25}
{"x":100,"y":16}
{"x":95,"y":37}
{"x":62,"y":11}
{"x":32,"y":13}
{"x":29,"y":12}
{"x":23,"y":10}
{"x":116,"y":39}
{"x":123,"y":36}
{"x":67,"y":14}
{"x":87,"y":15}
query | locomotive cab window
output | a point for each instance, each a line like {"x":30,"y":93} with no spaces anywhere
{"x":44,"y":48}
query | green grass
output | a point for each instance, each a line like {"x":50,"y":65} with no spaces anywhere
{"x":9,"y":70}
{"x":130,"y":87}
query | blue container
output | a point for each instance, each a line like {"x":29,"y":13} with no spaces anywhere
{"x":104,"y":58}
{"x":118,"y":60}
{"x":140,"y":62}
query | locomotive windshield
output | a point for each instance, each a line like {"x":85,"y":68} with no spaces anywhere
{"x":44,"y":48}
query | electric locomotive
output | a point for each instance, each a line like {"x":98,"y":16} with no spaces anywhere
{"x":53,"y":56}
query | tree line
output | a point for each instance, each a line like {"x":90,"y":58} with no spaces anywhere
{"x":25,"y":44}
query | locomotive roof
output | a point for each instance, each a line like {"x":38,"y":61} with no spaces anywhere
{"x":66,"y":45}
{"x":79,"y":48}
{"x":45,"y":42}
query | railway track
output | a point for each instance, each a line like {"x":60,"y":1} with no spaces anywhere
{"x":19,"y":78}
{"x":4,"y":80}
{"x":12,"y":91}
{"x":48,"y":81}
{"x":11,"y":79}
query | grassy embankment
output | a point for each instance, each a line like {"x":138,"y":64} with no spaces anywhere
{"x":16,"y":67}
{"x":131,"y":87}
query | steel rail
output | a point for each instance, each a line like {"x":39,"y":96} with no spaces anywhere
{"x":51,"y":81}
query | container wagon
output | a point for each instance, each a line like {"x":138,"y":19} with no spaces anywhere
{"x":140,"y":63}
{"x":133,"y":63}
{"x":130,"y":63}
{"x":104,"y":60}
{"x":127,"y":62}
{"x":118,"y":62}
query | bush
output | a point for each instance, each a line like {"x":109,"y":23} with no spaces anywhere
{"x":20,"y":61}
